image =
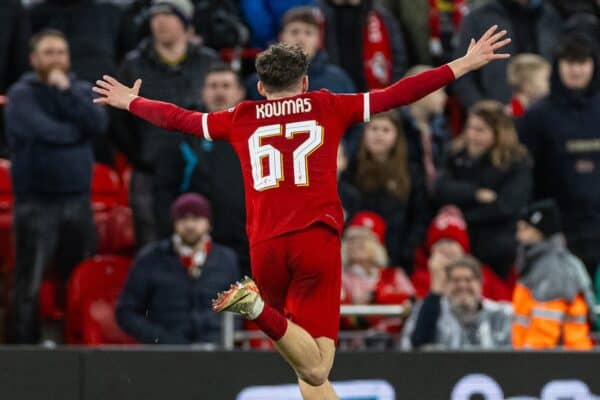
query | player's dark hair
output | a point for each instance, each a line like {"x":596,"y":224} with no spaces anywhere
{"x":221,"y":67}
{"x":307,"y":15}
{"x":392,"y":175}
{"x":281,"y":66}
{"x":38,"y":37}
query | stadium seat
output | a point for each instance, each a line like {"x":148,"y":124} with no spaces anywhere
{"x":107,"y":190}
{"x":7,"y":251}
{"x":93,"y":289}
{"x":112,"y":216}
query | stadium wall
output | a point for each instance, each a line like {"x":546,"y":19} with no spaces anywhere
{"x":184,"y":374}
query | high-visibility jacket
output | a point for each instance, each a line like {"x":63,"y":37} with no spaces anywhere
{"x":553,"y":300}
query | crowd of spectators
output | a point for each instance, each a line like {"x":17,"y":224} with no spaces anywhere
{"x":477,"y":196}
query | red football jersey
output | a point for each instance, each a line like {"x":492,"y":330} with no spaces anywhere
{"x":288,"y":149}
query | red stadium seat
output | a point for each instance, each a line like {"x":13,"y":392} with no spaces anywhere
{"x":51,"y":308}
{"x":7,"y":251}
{"x":107,"y":190}
{"x":112,"y":216}
{"x":100,"y":325}
{"x":94,"y":285}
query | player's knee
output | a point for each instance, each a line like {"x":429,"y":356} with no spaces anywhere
{"x":315,"y":376}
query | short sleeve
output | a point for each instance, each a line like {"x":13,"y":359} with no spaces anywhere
{"x":352,"y":108}
{"x":217,"y":125}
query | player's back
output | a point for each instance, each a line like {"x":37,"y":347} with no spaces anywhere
{"x":288,"y":149}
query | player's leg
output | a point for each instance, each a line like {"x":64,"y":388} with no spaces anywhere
{"x":313,"y":303}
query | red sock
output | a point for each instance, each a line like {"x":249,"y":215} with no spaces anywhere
{"x":271,"y":322}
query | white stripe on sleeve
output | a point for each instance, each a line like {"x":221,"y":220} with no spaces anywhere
{"x":366,"y":107}
{"x":205,"y":127}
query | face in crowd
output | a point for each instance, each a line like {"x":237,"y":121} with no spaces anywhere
{"x":479,"y":136}
{"x":50,"y":53}
{"x":380,"y":137}
{"x":192,"y":229}
{"x":576,"y":74}
{"x":463,"y":290}
{"x":307,"y":36}
{"x":167,"y":29}
{"x":221,"y":91}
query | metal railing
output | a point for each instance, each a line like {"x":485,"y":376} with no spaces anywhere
{"x":229,"y":335}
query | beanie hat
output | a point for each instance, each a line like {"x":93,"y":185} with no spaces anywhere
{"x":544,"y":216}
{"x":184,"y":9}
{"x":190,"y":204}
{"x":450,"y":224}
{"x":370,"y":221}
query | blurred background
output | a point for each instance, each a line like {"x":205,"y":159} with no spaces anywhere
{"x":472,"y":215}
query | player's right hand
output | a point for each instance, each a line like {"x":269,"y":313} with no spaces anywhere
{"x":114,"y":93}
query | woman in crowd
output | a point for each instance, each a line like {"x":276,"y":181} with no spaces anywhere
{"x":391,"y":186}
{"x":367,"y":277}
{"x":487,"y":174}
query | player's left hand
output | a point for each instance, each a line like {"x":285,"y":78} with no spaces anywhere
{"x":483,"y":51}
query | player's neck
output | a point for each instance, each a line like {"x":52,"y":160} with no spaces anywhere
{"x":282,"y":95}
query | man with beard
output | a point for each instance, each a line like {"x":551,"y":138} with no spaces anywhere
{"x":454,"y":315}
{"x":166,"y":299}
{"x":50,"y":125}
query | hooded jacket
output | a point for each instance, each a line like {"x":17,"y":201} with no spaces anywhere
{"x":561,"y":133}
{"x":553,"y":301}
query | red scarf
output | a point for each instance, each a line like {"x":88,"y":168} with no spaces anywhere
{"x":193,"y":260}
{"x":515,"y":108}
{"x":377,"y":52}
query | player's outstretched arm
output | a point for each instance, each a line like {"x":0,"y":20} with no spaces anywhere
{"x":411,"y":89}
{"x":164,"y":115}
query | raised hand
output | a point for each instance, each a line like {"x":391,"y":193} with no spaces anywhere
{"x":481,"y":52}
{"x":114,"y":93}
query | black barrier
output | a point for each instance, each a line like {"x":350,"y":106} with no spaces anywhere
{"x":183,"y":374}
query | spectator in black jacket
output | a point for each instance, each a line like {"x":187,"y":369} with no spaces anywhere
{"x":534,"y":27}
{"x":167,"y":296}
{"x":391,"y":186}
{"x":363,"y":38}
{"x":209,"y":168}
{"x":13,"y":52}
{"x":172,"y":70}
{"x":50,"y":124}
{"x":487,"y":174}
{"x":14,"y":36}
{"x":92,"y":30}
{"x":561,"y":132}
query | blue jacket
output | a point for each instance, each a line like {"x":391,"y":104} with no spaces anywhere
{"x":49,"y":133}
{"x":321,"y":75}
{"x":162,"y":304}
{"x":264,"y":16}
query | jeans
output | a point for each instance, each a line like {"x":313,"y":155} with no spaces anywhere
{"x":60,"y":234}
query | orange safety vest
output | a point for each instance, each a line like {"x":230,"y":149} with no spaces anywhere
{"x":549,"y":324}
